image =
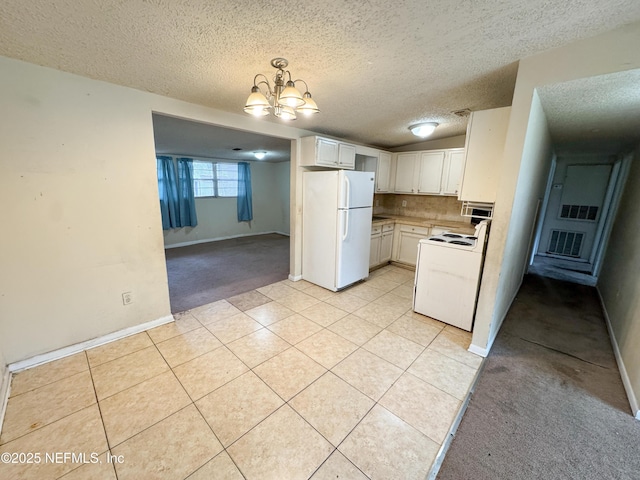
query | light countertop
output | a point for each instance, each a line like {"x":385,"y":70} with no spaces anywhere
{"x":459,"y":227}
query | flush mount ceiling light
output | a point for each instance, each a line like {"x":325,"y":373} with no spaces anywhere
{"x":259,"y":155}
{"x":423,"y":129}
{"x":284,"y":98}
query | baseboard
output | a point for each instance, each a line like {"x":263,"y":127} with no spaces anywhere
{"x":5,"y":390}
{"x":483,"y":352}
{"x":626,"y":381}
{"x":79,"y":347}
{"x":295,"y":278}
{"x":217,"y":239}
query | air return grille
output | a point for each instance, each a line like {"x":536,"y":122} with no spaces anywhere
{"x":579,"y":212}
{"x":565,"y":243}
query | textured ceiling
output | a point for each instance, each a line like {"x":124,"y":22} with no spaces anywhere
{"x":373,"y":66}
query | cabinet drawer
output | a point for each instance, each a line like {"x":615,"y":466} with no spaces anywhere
{"x":417,"y":230}
{"x":388,"y":227}
{"x":376,"y":230}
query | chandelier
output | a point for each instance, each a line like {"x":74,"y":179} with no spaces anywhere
{"x":284,"y":98}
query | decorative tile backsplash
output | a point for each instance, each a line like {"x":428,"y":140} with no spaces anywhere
{"x":423,"y":206}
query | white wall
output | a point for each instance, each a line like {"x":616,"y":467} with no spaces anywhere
{"x":507,"y":249}
{"x":81,"y":223}
{"x":619,"y":282}
{"x":448,"y":142}
{"x":217,"y":217}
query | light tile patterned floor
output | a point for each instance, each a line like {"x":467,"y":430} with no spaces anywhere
{"x":290,"y":381}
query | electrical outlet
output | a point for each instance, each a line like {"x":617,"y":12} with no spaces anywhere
{"x":404,"y":203}
{"x":127,"y":298}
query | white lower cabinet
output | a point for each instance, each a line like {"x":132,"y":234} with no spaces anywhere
{"x":406,"y":243}
{"x":381,"y":244}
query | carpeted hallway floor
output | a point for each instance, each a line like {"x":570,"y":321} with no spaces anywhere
{"x":550,"y":402}
{"x":207,"y":272}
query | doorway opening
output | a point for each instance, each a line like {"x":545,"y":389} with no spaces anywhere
{"x":222,"y":257}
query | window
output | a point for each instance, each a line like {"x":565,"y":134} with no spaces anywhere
{"x":215,"y":179}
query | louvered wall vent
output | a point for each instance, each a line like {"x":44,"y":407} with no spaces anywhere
{"x":565,"y":243}
{"x":579,"y":212}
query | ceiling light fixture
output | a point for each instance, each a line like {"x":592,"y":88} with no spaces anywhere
{"x":259,"y":155}
{"x":284,"y":98}
{"x":423,"y":129}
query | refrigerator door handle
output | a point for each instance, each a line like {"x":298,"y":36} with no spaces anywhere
{"x":348,"y":192}
{"x":346,"y":226}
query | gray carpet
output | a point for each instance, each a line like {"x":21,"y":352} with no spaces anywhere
{"x":206,"y":272}
{"x":550,"y":402}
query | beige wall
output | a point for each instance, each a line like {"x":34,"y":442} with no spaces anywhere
{"x":218,"y":217}
{"x":513,"y":217}
{"x":82,"y":221}
{"x":619,"y":282}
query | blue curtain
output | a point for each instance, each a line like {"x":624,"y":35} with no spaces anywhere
{"x":168,"y":191}
{"x":186,"y":200}
{"x":245,"y":203}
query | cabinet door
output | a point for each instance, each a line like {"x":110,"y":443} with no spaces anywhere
{"x":374,"y":253}
{"x":408,"y":248}
{"x":346,"y":156}
{"x":453,"y":172}
{"x":327,"y":152}
{"x":383,"y":172}
{"x":386,"y":244}
{"x":430,"y":177}
{"x":406,"y":166}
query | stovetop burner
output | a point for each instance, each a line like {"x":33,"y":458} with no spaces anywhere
{"x":437,"y":240}
{"x":460,"y":242}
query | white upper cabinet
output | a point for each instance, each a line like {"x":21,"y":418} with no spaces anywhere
{"x":486,"y":134}
{"x":430,"y":176}
{"x":324,"y":152}
{"x":383,"y":172}
{"x":431,"y":172}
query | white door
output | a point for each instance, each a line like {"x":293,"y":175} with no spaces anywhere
{"x":577,"y":205}
{"x":354,"y":242}
{"x":356,"y":189}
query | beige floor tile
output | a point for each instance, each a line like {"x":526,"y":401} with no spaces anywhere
{"x":172,"y":449}
{"x":104,"y":470}
{"x":237,"y":407}
{"x":79,"y":432}
{"x":277,"y":291}
{"x":355,"y":329}
{"x":367,"y":372}
{"x":338,"y":466}
{"x":289,"y":372}
{"x":347,"y":302}
{"x":207,"y":372}
{"x":182,"y":324}
{"x":421,"y":331}
{"x":366,"y":292}
{"x":326,"y":348}
{"x":282,"y":446}
{"x":404,"y":291}
{"x":248,"y":300}
{"x":323,"y":314}
{"x":233,"y":327}
{"x":423,"y":406}
{"x":384,"y":283}
{"x":129,"y":412}
{"x":381,"y":315}
{"x":392,"y":300}
{"x":384,"y":446}
{"x":295,"y":328}
{"x":255,"y":348}
{"x":400,"y":276}
{"x":319,"y":292}
{"x":124,"y":372}
{"x":394,"y":348}
{"x":424,"y":318}
{"x":298,"y":285}
{"x":443,"y":372}
{"x":220,"y":468}
{"x":332,"y":407}
{"x":455,"y":346}
{"x":48,"y":373}
{"x":36,"y":408}
{"x":298,"y":301}
{"x":450,"y":329}
{"x":185,"y":347}
{"x":269,"y":313}
{"x":113,"y":350}
{"x":214,"y":311}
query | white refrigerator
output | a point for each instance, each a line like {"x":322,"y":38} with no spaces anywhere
{"x":336,"y":227}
